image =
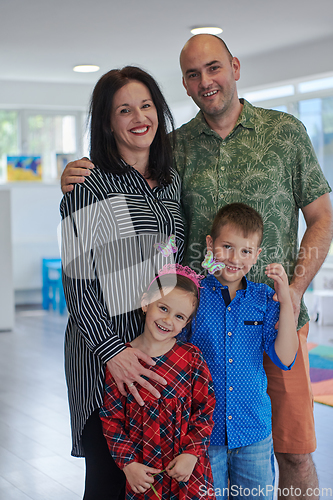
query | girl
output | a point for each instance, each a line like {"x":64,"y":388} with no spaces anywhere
{"x":162,"y":445}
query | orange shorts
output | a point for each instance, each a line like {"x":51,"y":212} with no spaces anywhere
{"x":292,"y":402}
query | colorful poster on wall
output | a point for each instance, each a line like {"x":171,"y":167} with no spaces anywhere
{"x":24,"y":168}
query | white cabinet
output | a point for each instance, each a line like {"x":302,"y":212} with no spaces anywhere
{"x":6,"y":268}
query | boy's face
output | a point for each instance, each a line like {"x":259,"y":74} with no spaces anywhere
{"x":238,"y":253}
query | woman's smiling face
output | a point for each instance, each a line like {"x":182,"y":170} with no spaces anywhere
{"x":134,"y":120}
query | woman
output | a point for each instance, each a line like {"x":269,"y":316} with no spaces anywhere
{"x":112,"y":227}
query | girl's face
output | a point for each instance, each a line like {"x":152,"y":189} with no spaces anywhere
{"x":168,"y":315}
{"x":134,"y":119}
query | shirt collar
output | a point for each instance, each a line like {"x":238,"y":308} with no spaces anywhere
{"x":246,"y":120}
{"x":213,"y":283}
{"x":157,"y":190}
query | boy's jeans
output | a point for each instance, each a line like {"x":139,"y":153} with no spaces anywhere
{"x":249,"y":468}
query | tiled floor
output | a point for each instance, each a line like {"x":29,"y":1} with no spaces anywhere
{"x":323,"y":456}
{"x":35,"y":461}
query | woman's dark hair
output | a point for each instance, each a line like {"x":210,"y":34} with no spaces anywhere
{"x":103,"y":148}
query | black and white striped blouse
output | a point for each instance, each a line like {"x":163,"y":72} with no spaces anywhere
{"x":110,"y":225}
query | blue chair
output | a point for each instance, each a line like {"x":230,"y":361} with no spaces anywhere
{"x":53,"y":291}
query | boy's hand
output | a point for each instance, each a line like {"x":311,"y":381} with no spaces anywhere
{"x":181,"y":467}
{"x":139,"y":476}
{"x":281,"y":285}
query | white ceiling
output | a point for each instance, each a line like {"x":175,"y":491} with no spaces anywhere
{"x":41,"y":40}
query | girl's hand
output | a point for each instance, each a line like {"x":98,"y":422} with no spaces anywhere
{"x":181,"y":467}
{"x":126,"y":368}
{"x":139,"y":476}
{"x":281,"y":285}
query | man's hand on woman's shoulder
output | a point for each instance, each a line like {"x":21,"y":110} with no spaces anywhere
{"x":75,"y":172}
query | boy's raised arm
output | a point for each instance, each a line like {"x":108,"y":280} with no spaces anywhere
{"x":286,"y":343}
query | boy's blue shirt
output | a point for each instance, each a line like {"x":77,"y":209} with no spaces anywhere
{"x":232,"y":337}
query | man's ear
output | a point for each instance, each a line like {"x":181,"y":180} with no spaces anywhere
{"x":209,"y":242}
{"x":185,"y":86}
{"x":236,"y":68}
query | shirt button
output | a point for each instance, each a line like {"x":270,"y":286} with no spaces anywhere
{"x":229,"y":308}
{"x":214,"y":288}
{"x":231,"y":388}
{"x":230,"y":360}
{"x":230,"y":417}
{"x":256,"y":322}
{"x":229,"y":334}
{"x":222,"y":169}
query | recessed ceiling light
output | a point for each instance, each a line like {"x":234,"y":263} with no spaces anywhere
{"x":207,"y":30}
{"x":86,"y":68}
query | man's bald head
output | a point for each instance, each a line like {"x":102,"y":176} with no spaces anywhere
{"x":202,"y":40}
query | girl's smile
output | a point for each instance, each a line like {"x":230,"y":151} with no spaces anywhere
{"x":166,"y":315}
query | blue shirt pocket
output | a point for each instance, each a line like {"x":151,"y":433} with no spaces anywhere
{"x":253,"y":323}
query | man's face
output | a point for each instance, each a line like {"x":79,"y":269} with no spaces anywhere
{"x":209,"y":75}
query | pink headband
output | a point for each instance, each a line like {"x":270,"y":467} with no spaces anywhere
{"x":180,"y":270}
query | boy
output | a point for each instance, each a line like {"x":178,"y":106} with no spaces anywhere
{"x":234,"y":325}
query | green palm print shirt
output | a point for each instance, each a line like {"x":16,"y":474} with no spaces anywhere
{"x":267,"y":162}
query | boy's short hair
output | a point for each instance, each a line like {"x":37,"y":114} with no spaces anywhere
{"x":241,"y":216}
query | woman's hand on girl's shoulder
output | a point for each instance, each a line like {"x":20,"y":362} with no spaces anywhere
{"x":127,"y":370}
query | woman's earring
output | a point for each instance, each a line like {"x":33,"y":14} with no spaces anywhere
{"x":211,"y":264}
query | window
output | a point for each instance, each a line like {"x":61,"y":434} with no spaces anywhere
{"x":51,"y":136}
{"x":317,"y":116}
{"x":8,"y":138}
{"x":54,"y":135}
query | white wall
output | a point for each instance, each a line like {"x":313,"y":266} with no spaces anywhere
{"x":298,"y":61}
{"x":35,"y":217}
{"x":6,"y":268}
{"x":20,"y":94}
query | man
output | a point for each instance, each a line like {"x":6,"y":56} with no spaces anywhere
{"x":234,"y":152}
